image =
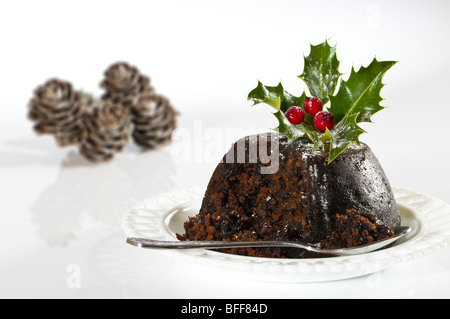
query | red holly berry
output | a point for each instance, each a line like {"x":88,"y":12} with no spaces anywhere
{"x":324,"y":120}
{"x":312,"y":105}
{"x":295,"y":115}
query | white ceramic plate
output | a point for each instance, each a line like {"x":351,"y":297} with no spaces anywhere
{"x":162,"y":217}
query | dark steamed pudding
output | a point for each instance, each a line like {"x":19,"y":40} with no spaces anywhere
{"x":267,"y":188}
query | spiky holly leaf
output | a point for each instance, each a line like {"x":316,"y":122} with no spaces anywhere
{"x":293,"y":132}
{"x":342,"y":135}
{"x":275,"y":96}
{"x":356,"y":101}
{"x":281,"y":101}
{"x":361,"y":92}
{"x":321,"y":71}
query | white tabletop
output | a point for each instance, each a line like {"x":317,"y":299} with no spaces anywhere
{"x":61,"y":228}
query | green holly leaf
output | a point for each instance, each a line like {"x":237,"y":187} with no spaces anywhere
{"x":361,"y":92}
{"x":356,"y":101}
{"x":275,"y":96}
{"x":281,"y":101}
{"x":321,"y":71}
{"x":293,"y":132}
{"x":342,"y":135}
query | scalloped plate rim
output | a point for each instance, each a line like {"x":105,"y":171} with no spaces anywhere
{"x":149,"y":218}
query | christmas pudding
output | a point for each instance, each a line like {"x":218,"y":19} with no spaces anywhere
{"x":313,"y":181}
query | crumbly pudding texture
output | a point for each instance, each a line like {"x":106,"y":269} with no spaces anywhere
{"x":345,"y":203}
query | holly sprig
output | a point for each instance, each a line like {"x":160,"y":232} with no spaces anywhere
{"x":356,"y":100}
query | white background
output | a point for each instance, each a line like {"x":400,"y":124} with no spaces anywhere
{"x":59,"y":210}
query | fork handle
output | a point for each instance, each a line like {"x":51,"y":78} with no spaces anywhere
{"x":158,"y":244}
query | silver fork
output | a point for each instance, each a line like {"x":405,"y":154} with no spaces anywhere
{"x":399,"y":232}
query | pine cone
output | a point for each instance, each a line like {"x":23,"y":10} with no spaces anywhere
{"x":154,"y":120}
{"x":56,"y":108}
{"x":124,"y":84}
{"x":107,"y":131}
{"x":71,"y":132}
